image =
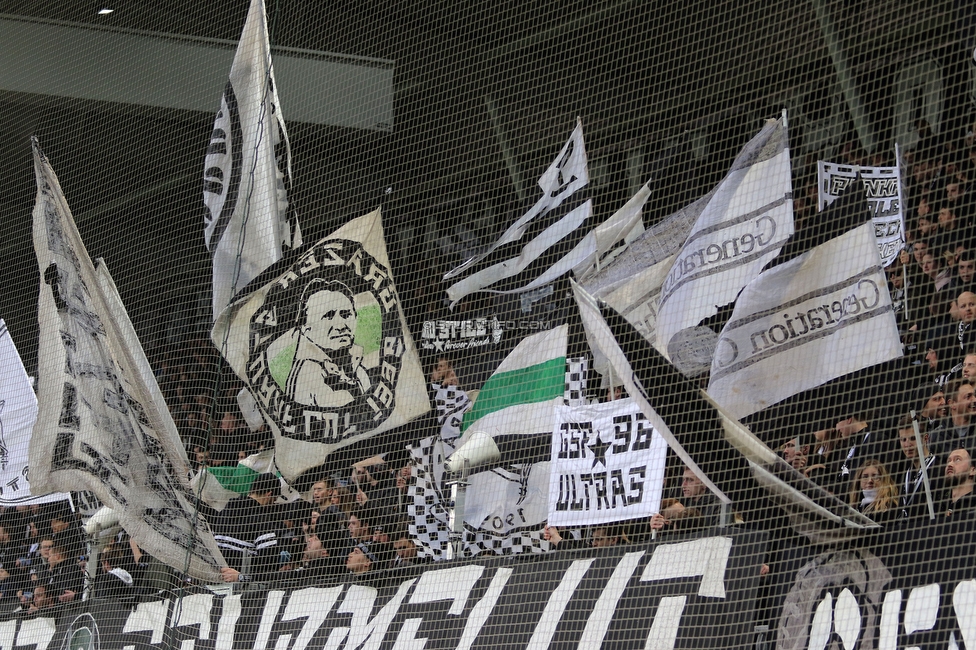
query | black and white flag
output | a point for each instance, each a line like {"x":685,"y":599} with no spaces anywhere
{"x":708,"y":440}
{"x":741,"y":228}
{"x":631,"y":283}
{"x":882,"y":189}
{"x":324,"y":348}
{"x":101,"y":427}
{"x":18,"y":412}
{"x":822,"y":315}
{"x":544,"y":243}
{"x":607,"y":465}
{"x":247,"y":167}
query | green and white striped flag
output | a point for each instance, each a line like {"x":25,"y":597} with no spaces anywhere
{"x":516,"y":395}
{"x":506,"y":507}
{"x":221,"y":484}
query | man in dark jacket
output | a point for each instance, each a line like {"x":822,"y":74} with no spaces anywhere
{"x":246,"y":529}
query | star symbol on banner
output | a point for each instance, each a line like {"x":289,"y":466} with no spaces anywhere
{"x":599,"y":449}
{"x":438,"y":345}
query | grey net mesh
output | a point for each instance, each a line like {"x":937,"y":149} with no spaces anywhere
{"x":487,"y":324}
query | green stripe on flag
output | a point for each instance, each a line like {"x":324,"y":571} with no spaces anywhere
{"x":538,"y":383}
{"x":237,"y":478}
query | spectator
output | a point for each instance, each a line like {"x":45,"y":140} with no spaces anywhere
{"x":406,"y":551}
{"x":953,"y":339}
{"x":40,"y":599}
{"x":359,"y":528}
{"x":319,"y":559}
{"x":959,"y":500}
{"x":64,"y":580}
{"x":114,"y":581}
{"x":823,"y":464}
{"x":360,"y":559}
{"x":247,"y":528}
{"x":968,"y":368}
{"x":932,"y":408}
{"x":341,"y":501}
{"x":965,"y":273}
{"x":795,"y":456}
{"x":600,"y":536}
{"x":320,"y":494}
{"x":874,"y":493}
{"x":856,"y":435}
{"x":66,"y":529}
{"x":959,"y":432}
{"x":697,"y":507}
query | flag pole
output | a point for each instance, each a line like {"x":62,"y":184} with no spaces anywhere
{"x":921,"y":465}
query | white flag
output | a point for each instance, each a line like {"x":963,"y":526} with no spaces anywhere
{"x":607,"y":241}
{"x":607,"y":465}
{"x":631,"y":283}
{"x":247,"y":218}
{"x":560,"y":219}
{"x":325,"y":350}
{"x":882,"y":187}
{"x":100,"y":427}
{"x":743,"y":226}
{"x":18,"y":411}
{"x":599,"y":335}
{"x":506,"y":507}
{"x":822,"y":315}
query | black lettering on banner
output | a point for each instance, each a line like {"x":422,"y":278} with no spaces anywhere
{"x":69,"y":418}
{"x":736,"y":250}
{"x":644,"y":435}
{"x":573,"y":437}
{"x":860,"y":299}
{"x":621,"y":434}
{"x":636,"y":486}
{"x":101,"y":467}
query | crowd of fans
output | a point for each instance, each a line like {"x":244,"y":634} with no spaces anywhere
{"x":879,"y":468}
{"x":356,"y":521}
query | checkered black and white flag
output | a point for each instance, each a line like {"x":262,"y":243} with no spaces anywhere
{"x":430,"y":494}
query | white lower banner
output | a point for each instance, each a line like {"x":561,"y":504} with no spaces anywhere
{"x":607,"y":465}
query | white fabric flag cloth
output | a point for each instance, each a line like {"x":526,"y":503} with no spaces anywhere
{"x":324,"y":348}
{"x":599,"y":334}
{"x":822,"y":315}
{"x":246,"y":169}
{"x":631,"y":283}
{"x":743,"y":226}
{"x":607,"y":465}
{"x":560,"y":219}
{"x":18,"y":411}
{"x":608,"y":240}
{"x":882,"y":188}
{"x":101,"y":428}
{"x":813,"y":511}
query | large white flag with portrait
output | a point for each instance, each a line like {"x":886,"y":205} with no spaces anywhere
{"x":246,"y":170}
{"x":743,"y":226}
{"x":324,"y":348}
{"x":100,"y":427}
{"x":822,"y":315}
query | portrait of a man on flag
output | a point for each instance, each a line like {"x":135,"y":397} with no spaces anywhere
{"x":328,"y":368}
